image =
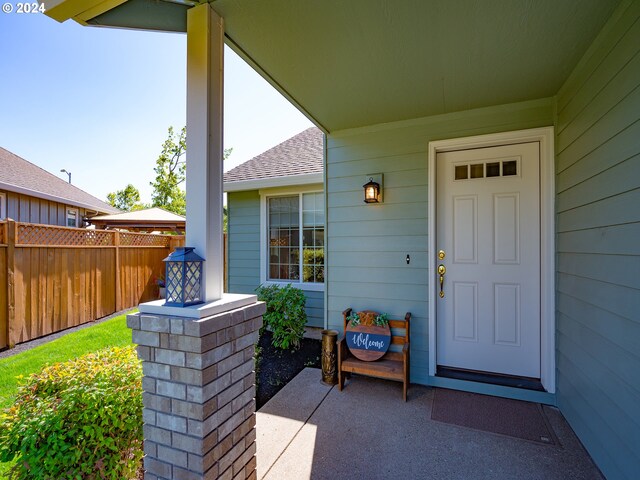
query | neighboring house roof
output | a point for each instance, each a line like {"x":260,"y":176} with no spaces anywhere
{"x":296,"y":161}
{"x":154,"y":218}
{"x":21,"y":176}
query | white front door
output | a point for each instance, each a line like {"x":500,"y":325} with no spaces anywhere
{"x":488,"y":226}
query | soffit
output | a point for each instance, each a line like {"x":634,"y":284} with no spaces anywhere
{"x":362,"y":62}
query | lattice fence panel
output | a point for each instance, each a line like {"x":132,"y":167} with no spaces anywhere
{"x":2,"y":228}
{"x":30,"y":234}
{"x":143,"y":240}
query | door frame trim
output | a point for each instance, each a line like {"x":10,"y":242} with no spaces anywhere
{"x":545,"y":136}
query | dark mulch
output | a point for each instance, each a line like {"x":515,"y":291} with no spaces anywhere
{"x":278,"y":367}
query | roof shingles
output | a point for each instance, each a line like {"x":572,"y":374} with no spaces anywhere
{"x":18,"y":173}
{"x":299,"y":155}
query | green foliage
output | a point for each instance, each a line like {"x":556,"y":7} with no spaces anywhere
{"x":354,"y":318}
{"x":127,"y":199}
{"x":110,"y":333}
{"x":285,"y":316}
{"x":170,"y":170}
{"x":79,"y":419}
{"x":381,"y":320}
{"x":13,"y":369}
{"x":170,"y":173}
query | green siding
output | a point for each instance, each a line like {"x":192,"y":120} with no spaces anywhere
{"x":243,"y":240}
{"x":598,"y":227}
{"x":243,"y":257}
{"x":315,"y":309}
{"x":368,"y":244}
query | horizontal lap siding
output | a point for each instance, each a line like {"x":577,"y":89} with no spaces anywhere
{"x":598,"y":227}
{"x":315,"y":309}
{"x":368,"y":244}
{"x":243,"y":237}
{"x":244,"y":252}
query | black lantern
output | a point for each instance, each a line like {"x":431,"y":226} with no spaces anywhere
{"x":371,"y":191}
{"x":183,"y":274}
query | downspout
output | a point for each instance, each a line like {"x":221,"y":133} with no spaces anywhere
{"x":326,"y":229}
{"x":87,"y":219}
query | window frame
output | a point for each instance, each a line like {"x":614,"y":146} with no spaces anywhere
{"x":265,"y":195}
{"x":76,"y":212}
{"x":3,"y":206}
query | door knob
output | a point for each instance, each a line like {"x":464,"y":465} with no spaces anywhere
{"x":441,"y":271}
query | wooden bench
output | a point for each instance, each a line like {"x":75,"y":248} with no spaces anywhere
{"x":394,"y":365}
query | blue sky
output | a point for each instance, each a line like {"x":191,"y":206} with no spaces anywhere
{"x":98,"y":102}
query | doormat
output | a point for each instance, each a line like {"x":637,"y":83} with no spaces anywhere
{"x":505,"y":416}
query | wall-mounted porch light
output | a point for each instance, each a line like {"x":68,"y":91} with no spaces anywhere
{"x":183,"y":277}
{"x":373,"y":190}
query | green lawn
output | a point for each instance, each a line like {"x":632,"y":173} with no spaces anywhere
{"x":112,"y":333}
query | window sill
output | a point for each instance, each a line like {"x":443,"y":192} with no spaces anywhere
{"x":309,"y":287}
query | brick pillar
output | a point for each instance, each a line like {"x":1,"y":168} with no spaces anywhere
{"x":199,"y":393}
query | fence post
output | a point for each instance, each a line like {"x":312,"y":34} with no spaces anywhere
{"x":175,"y":241}
{"x":116,"y":243}
{"x":11,"y":283}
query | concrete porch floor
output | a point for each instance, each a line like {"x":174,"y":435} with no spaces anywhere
{"x":312,"y":431}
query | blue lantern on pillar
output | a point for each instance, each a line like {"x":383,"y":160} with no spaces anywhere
{"x":183,"y":274}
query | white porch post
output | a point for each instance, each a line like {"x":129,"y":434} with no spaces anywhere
{"x":198,"y":361}
{"x":205,"y":63}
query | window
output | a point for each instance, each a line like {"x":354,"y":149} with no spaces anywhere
{"x":295,"y":238}
{"x":72,"y":217}
{"x":492,"y":169}
{"x":3,"y":206}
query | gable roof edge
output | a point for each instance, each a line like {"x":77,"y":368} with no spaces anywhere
{"x":271,"y":182}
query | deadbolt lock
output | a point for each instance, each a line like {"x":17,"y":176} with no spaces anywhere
{"x":441,"y":255}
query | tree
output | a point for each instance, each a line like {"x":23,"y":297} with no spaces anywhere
{"x":170,"y":169}
{"x":170,"y":172}
{"x":127,"y":199}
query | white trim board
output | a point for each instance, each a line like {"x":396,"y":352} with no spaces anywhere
{"x":545,"y":137}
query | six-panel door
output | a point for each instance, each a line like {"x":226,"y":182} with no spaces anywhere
{"x":488,"y":225}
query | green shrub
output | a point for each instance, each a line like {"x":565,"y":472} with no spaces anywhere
{"x":285,"y":315}
{"x":81,"y":419}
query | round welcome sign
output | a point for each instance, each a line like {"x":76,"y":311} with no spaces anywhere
{"x":368,"y":342}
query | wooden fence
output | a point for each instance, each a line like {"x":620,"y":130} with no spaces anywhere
{"x":53,"y":278}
